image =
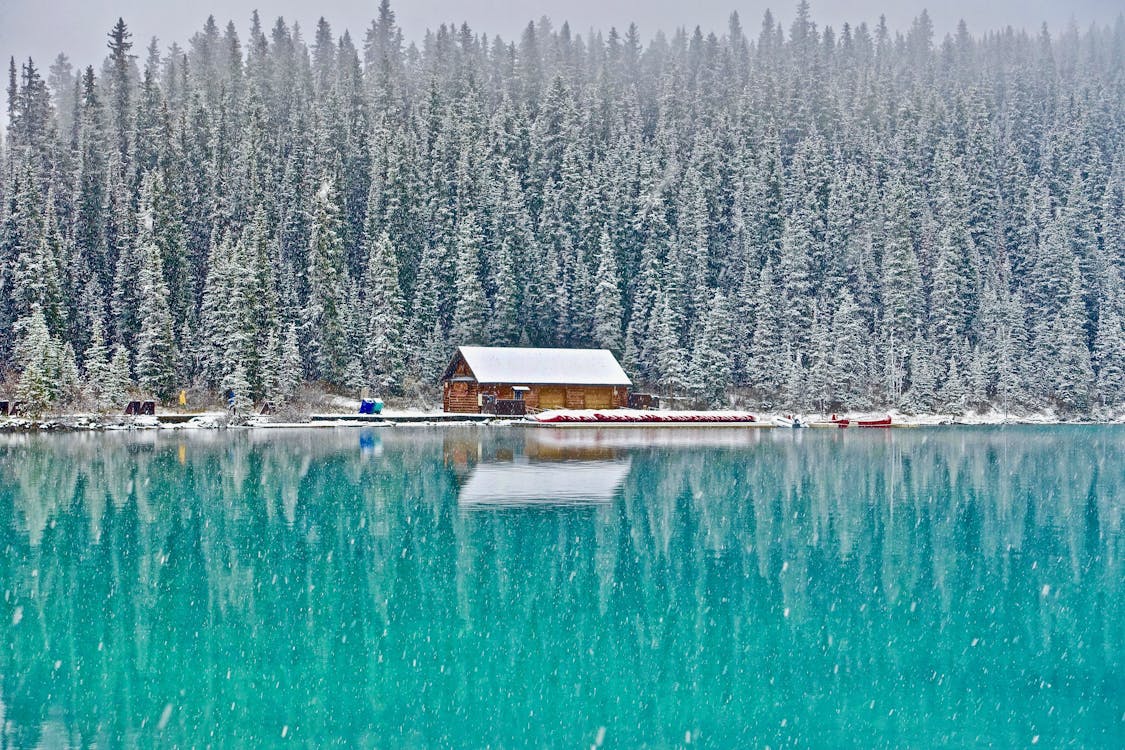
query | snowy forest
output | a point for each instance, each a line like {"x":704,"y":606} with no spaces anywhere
{"x":801,"y":217}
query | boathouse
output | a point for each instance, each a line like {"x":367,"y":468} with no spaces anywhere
{"x":484,"y":379}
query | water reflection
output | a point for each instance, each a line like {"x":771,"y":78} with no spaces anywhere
{"x":930,"y":587}
{"x":537,"y":471}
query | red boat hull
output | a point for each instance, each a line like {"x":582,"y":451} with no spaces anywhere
{"x":842,"y":423}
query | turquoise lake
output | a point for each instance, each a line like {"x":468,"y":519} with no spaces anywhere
{"x":517,"y":587}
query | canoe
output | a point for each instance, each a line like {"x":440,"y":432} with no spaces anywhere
{"x":882,"y":422}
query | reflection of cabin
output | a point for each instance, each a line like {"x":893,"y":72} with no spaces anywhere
{"x":478,"y":377}
{"x":522,"y":483}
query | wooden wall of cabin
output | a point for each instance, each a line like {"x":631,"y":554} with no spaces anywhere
{"x":577,"y":397}
{"x":463,"y":397}
{"x":460,"y":397}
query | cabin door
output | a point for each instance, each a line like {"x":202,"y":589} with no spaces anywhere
{"x":552,"y":398}
{"x":599,"y":398}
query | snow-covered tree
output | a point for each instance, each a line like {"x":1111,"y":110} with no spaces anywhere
{"x":711,"y":370}
{"x":608,"y":309}
{"x":382,"y":305}
{"x":327,"y":313}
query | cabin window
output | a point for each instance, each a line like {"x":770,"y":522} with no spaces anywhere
{"x":460,"y":387}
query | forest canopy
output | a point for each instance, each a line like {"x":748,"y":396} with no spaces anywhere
{"x":810,"y":217}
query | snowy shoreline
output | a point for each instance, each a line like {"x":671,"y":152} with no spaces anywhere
{"x":718,"y":419}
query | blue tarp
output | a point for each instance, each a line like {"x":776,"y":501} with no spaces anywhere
{"x":371,"y":406}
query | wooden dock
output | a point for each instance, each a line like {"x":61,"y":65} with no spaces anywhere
{"x":404,"y":418}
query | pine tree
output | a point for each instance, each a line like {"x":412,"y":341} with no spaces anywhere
{"x":289,"y":370}
{"x":901,"y":282}
{"x":470,"y":315}
{"x":765,"y":370}
{"x":98,"y":365}
{"x":607,"y":307}
{"x":120,"y":62}
{"x":35,"y":356}
{"x":849,"y":366}
{"x":711,"y":371}
{"x":1109,"y":346}
{"x":156,"y":357}
{"x":820,"y":386}
{"x":237,"y":387}
{"x":921,"y":397}
{"x":1073,"y":373}
{"x":120,"y":380}
{"x":383,"y":352}
{"x":953,"y":395}
{"x":505,"y":327}
{"x":671,"y":359}
{"x":69,"y":381}
{"x":36,"y":274}
{"x":90,"y":198}
{"x":326,"y":313}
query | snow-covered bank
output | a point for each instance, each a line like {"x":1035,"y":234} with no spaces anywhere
{"x":422,"y":417}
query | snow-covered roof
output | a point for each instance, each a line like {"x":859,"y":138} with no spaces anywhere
{"x":494,"y":485}
{"x":528,"y":366}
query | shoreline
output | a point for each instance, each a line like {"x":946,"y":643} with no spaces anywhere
{"x":217,"y":420}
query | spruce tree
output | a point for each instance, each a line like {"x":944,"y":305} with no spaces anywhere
{"x":849,"y":365}
{"x":120,"y":380}
{"x":326,"y":313}
{"x":97,"y":365}
{"x":607,"y":294}
{"x":383,"y":341}
{"x":711,"y":370}
{"x":470,"y":314}
{"x":35,"y":356}
{"x":156,"y":357}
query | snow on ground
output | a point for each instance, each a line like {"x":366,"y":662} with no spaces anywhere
{"x":342,"y":407}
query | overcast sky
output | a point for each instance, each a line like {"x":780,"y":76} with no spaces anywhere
{"x":42,"y":28}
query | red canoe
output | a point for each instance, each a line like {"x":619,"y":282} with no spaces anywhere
{"x":883,"y":422}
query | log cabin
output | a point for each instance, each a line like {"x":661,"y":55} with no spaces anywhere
{"x":480,"y":376}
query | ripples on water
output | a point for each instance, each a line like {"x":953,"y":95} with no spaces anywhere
{"x":518,"y":588}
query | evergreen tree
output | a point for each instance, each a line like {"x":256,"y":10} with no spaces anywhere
{"x":36,"y":358}
{"x":326,"y":314}
{"x":383,"y":353}
{"x":671,"y":359}
{"x":505,"y":327}
{"x":608,"y":308}
{"x":849,"y":366}
{"x":98,"y":365}
{"x":289,"y":367}
{"x":470,"y":315}
{"x":120,"y":381}
{"x":1109,"y":348}
{"x":711,"y":370}
{"x":1072,"y":368}
{"x":765,"y":368}
{"x":156,"y":358}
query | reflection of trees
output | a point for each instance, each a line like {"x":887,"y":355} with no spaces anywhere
{"x":255,"y":582}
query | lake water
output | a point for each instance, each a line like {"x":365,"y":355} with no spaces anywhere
{"x":507,"y":587}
